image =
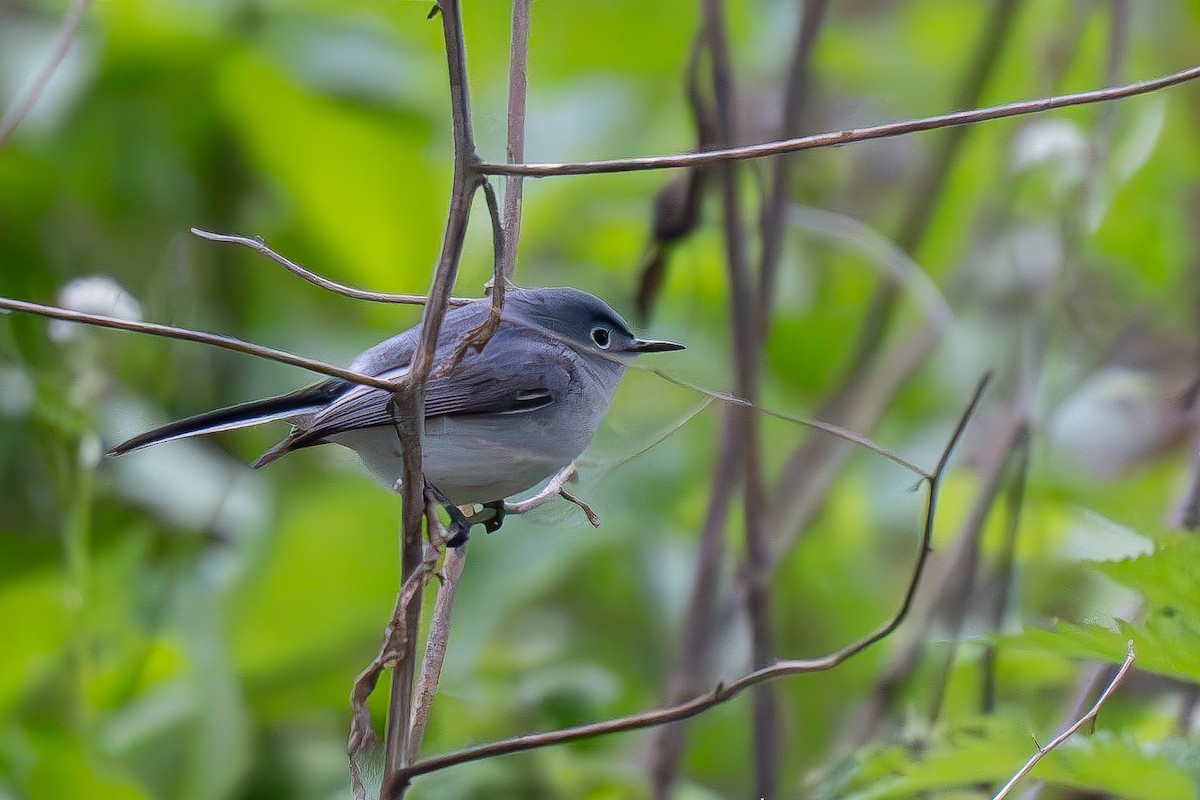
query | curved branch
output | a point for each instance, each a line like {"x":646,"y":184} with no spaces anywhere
{"x":836,"y":138}
{"x":256,"y":244}
{"x":724,"y":692}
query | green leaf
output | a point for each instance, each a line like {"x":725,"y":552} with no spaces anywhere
{"x":359,"y":182}
{"x":1167,"y":639}
{"x":990,"y":751}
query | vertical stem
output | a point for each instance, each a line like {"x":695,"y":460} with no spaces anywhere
{"x":1014,"y":502}
{"x":435,"y":648}
{"x":746,"y":344}
{"x":812,"y":17}
{"x":518,"y":59}
{"x":410,"y":403}
{"x":698,"y":629}
{"x":77,"y":555}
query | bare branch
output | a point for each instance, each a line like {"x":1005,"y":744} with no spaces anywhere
{"x":435,"y":648}
{"x":746,"y":362}
{"x":477,"y":338}
{"x":1090,"y":716}
{"x":506,"y":226}
{"x":724,"y":692}
{"x":518,"y":60}
{"x":213,"y":339}
{"x":838,"y":138}
{"x":256,"y":244}
{"x":695,"y":645}
{"x":362,"y":736}
{"x":410,"y":403}
{"x":21,"y":106}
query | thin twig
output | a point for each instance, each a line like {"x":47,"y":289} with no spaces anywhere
{"x":949,"y":584}
{"x":259,"y":246}
{"x":962,"y":568}
{"x":506,"y":225}
{"x":1090,"y":681}
{"x":24,"y":103}
{"x":845,"y":434}
{"x":836,"y":138}
{"x":592,"y":518}
{"x":724,"y":692}
{"x":1014,"y":505}
{"x":1090,"y":716}
{"x":435,"y":648}
{"x":552,"y":490}
{"x":212,"y":339}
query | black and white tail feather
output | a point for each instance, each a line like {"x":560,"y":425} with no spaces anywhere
{"x":289,"y":406}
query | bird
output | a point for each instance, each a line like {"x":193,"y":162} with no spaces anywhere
{"x":497,"y":423}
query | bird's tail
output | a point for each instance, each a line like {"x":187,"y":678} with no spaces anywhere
{"x":243,"y":415}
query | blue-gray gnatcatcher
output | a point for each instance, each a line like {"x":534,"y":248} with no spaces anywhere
{"x":498,"y":423}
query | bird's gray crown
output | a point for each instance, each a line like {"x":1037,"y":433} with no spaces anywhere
{"x":582,"y":319}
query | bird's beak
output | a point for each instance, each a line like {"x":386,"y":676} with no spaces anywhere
{"x":653,"y":346}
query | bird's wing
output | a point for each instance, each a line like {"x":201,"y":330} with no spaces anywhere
{"x":491,"y":382}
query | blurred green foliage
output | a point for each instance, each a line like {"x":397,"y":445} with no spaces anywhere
{"x":173,"y":625}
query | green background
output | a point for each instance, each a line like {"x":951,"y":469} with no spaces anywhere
{"x":173,"y":625}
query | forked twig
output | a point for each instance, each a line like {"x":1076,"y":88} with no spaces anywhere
{"x":1090,"y":716}
{"x":552,"y":490}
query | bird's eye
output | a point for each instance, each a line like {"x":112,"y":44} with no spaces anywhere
{"x":601,"y":337}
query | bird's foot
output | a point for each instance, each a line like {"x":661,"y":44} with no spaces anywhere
{"x":491,"y":517}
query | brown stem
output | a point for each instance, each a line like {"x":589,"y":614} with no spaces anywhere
{"x":949,"y":586}
{"x":1090,"y":716}
{"x":766,"y":745}
{"x":774,"y":215}
{"x":695,"y":647}
{"x":435,"y":648}
{"x":725,"y":692}
{"x":518,"y":60}
{"x":1014,"y":503}
{"x":886,"y":130}
{"x":259,"y":246}
{"x":410,"y":404}
{"x":24,"y":103}
{"x":188,"y":335}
